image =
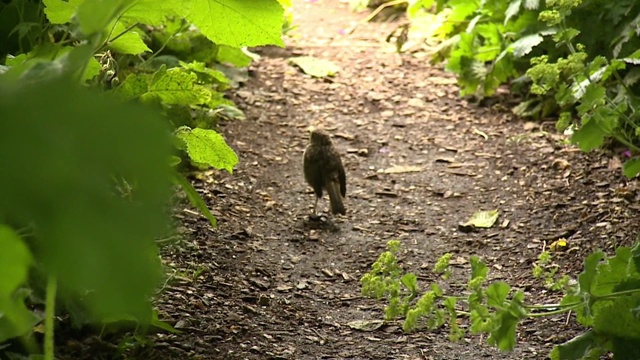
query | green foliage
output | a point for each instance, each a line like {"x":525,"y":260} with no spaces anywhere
{"x":61,"y":189}
{"x":15,"y":260}
{"x":190,"y":92}
{"x":586,"y":74}
{"x":547,"y":270}
{"x":208,"y":147}
{"x":89,"y":177}
{"x":605,"y":299}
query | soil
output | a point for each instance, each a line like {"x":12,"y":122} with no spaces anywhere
{"x":271,"y":282}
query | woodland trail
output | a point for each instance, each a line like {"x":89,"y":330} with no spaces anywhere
{"x":269,"y":284}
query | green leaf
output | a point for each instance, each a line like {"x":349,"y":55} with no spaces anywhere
{"x":415,"y":6}
{"x":195,"y":198}
{"x":635,"y":255}
{"x":95,"y":16}
{"x":478,"y":268}
{"x":587,"y":277}
{"x":619,"y":318}
{"x":37,"y":65}
{"x":234,"y":56}
{"x":583,"y":346}
{"x":625,"y":347}
{"x":161,"y":324}
{"x":208,"y":147}
{"x":512,"y":10}
{"x":235,"y":23}
{"x":204,"y":73}
{"x":61,"y":12}
{"x":497,"y":294}
{"x":503,"y":335}
{"x":149,"y":12}
{"x":634,"y":58}
{"x":589,"y":136}
{"x":83,"y":225}
{"x":483,"y":219}
{"x":461,"y":9}
{"x":16,"y":319}
{"x":524,"y":45}
{"x":15,"y":261}
{"x":586,"y":284}
{"x":565,"y":36}
{"x":134,"y":86}
{"x":176,"y":87}
{"x":613,"y":271}
{"x":410,"y":282}
{"x":631,"y":167}
{"x":314,"y":66}
{"x":127,"y":43}
{"x":592,"y":99}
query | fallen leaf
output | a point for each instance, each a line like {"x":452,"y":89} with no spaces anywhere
{"x":314,"y":66}
{"x":483,"y":219}
{"x":366,"y":325}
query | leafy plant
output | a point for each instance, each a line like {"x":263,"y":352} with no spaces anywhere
{"x":547,"y":270}
{"x":85,"y":239}
{"x":605,"y":300}
{"x":552,"y":53}
{"x":599,"y":90}
{"x":85,"y":190}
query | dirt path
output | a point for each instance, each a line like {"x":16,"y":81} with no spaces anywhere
{"x":269,"y":284}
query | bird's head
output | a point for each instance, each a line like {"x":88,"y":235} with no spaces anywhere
{"x":320,"y":137}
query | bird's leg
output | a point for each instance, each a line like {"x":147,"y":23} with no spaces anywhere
{"x":315,"y":205}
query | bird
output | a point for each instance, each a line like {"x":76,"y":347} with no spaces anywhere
{"x":323,"y":170}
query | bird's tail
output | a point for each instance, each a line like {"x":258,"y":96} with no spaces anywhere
{"x":335,"y":199}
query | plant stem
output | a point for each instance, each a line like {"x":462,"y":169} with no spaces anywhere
{"x":50,"y":310}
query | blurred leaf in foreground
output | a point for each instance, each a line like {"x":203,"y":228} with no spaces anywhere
{"x":63,"y":150}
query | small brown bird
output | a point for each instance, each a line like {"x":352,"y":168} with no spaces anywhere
{"x":323,"y":170}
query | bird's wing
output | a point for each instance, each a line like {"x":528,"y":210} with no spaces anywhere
{"x":342,"y":178}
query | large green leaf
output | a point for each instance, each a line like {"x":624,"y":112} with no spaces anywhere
{"x":52,"y":60}
{"x":583,"y":346}
{"x":235,"y":23}
{"x":631,"y":167}
{"x":94,"y":16}
{"x":525,"y":44}
{"x":208,"y":147}
{"x":67,"y":146}
{"x":15,"y":260}
{"x":61,"y":12}
{"x":176,"y":86}
{"x":127,"y":42}
{"x":619,"y":319}
{"x":589,"y":136}
{"x":195,"y":198}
